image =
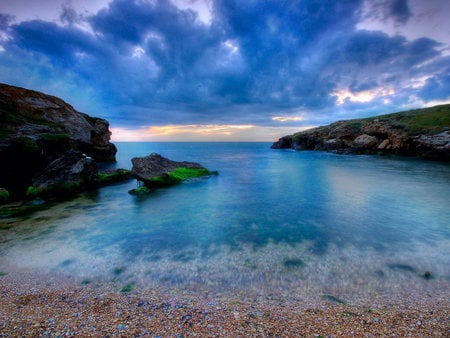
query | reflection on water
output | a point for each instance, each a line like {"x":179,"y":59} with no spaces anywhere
{"x":272,"y":221}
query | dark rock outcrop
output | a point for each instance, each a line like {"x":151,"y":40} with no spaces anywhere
{"x":69,"y":173}
{"x":283,"y":143}
{"x":365,"y":142}
{"x":36,"y":132}
{"x":423,"y":133}
{"x":434,"y":147}
{"x":155,"y":170}
{"x":153,"y":165}
{"x":111,"y":176}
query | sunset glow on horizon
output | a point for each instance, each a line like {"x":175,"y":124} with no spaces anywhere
{"x":214,"y":70}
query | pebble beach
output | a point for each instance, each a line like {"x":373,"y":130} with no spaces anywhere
{"x":37,"y":305}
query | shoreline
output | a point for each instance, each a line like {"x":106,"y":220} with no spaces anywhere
{"x":33,"y":304}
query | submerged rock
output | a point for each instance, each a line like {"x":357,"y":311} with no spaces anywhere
{"x":409,"y":269}
{"x":140,"y":191}
{"x":155,"y":170}
{"x":332,"y":299}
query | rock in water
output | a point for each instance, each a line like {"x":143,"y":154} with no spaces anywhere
{"x":283,"y":143}
{"x":155,"y":170}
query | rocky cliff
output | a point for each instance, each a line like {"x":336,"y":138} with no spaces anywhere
{"x":46,"y":145}
{"x":422,"y":132}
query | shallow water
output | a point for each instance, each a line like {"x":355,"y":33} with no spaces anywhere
{"x":272,"y":222}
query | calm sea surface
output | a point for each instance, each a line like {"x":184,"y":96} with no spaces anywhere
{"x":272,"y":221}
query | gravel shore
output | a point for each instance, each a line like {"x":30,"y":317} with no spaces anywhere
{"x":37,"y":305}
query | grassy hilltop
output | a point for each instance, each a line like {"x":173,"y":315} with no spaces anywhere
{"x":419,"y":132}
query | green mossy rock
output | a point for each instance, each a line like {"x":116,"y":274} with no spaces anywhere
{"x":178,"y":175}
{"x":156,"y":171}
{"x":114,"y":176}
{"x":140,"y":191}
{"x":4,"y":195}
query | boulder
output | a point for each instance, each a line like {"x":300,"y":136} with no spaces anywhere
{"x":70,"y":173}
{"x":364,"y":141}
{"x":155,"y":170}
{"x":333,"y":144}
{"x":385,"y":144}
{"x":399,"y":142}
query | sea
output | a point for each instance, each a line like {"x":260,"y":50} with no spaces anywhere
{"x":278,"y":223}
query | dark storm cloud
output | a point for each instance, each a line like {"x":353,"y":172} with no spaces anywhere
{"x":154,"y":63}
{"x":385,"y":10}
{"x":5,"y":21}
{"x":58,"y":43}
{"x":367,"y":59}
{"x":399,"y":9}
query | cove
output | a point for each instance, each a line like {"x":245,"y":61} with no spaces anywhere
{"x":299,"y":223}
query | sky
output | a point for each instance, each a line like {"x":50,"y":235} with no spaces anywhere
{"x":228,"y":70}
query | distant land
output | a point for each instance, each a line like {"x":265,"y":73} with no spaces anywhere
{"x":423,"y":133}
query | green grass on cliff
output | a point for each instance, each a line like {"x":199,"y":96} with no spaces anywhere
{"x":429,"y":121}
{"x":422,"y":121}
{"x":418,"y":121}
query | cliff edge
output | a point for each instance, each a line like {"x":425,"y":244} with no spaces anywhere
{"x":423,"y":133}
{"x":46,"y":145}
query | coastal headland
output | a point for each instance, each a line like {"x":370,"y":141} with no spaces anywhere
{"x":50,"y":150}
{"x":422,"y":133}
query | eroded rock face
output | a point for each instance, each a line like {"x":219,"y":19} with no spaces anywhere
{"x":148,"y":167}
{"x":283,"y":143}
{"x":37,"y":129}
{"x":397,"y":133}
{"x":43,"y":118}
{"x":100,"y":148}
{"x":435,"y":146}
{"x":365,"y":141}
{"x":71,"y":172}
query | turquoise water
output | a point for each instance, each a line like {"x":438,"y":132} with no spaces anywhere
{"x":271,"y":221}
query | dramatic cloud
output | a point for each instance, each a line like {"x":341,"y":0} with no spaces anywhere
{"x":209,"y":68}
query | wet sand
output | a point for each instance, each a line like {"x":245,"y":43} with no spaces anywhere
{"x":33,"y":304}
